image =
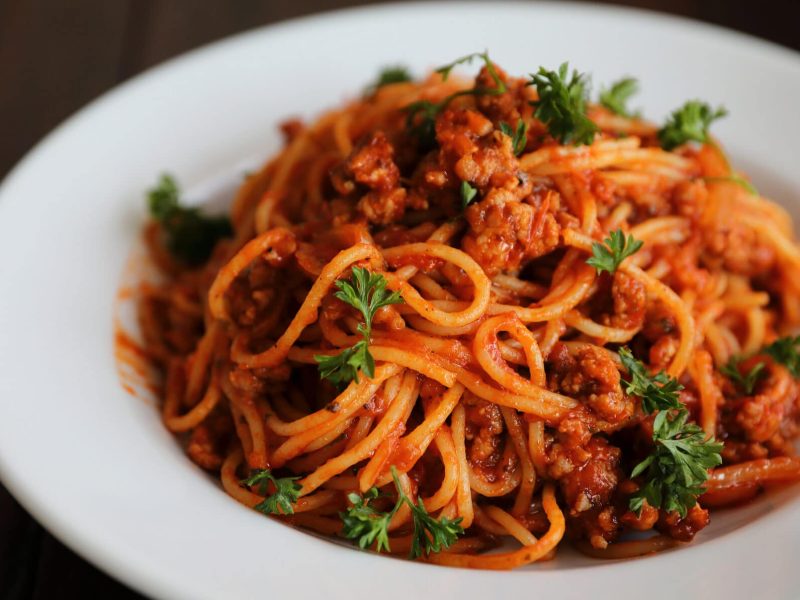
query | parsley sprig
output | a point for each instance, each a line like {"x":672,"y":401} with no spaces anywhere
{"x":422,"y":114}
{"x":287,"y":492}
{"x":468,"y":194}
{"x":689,"y":123}
{"x":616,"y":97}
{"x":519,"y":136}
{"x":366,"y":292}
{"x":340,"y":369}
{"x":367,"y":525}
{"x":609,"y":255}
{"x":562,"y":105}
{"x":499,"y":85}
{"x":677,"y":467}
{"x":746,"y":381}
{"x":389,"y":75}
{"x":191,"y":236}
{"x":785,"y":350}
{"x":363,"y":523}
{"x":658,"y":392}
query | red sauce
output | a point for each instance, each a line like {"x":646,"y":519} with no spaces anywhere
{"x":135,"y":370}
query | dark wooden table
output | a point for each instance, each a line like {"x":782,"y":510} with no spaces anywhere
{"x":56,"y":55}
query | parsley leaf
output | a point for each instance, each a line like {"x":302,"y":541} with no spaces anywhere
{"x":340,"y":369}
{"x":366,"y":292}
{"x":430,"y":535}
{"x":746,"y":382}
{"x":389,"y":75}
{"x":617,"y":247}
{"x":468,"y":194}
{"x":562,"y":105}
{"x":499,"y":85}
{"x":367,"y":525}
{"x":678,"y":466}
{"x":364,"y":524}
{"x":689,"y":123}
{"x":519,"y":136}
{"x":658,"y":392}
{"x":287,"y":491}
{"x":191,"y":236}
{"x":421,"y":121}
{"x":616,"y":97}
{"x":162,"y":200}
{"x":422,"y":114}
{"x":785,"y":351}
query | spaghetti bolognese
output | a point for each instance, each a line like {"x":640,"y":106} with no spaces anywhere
{"x":453,"y":312}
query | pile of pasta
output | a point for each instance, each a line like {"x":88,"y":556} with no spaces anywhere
{"x":536,"y":289}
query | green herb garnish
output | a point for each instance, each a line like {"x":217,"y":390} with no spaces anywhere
{"x":617,"y":247}
{"x":366,"y":525}
{"x":340,"y":369}
{"x":519,"y":136}
{"x":689,"y":123}
{"x":468,"y":194}
{"x":677,"y":467}
{"x":785,"y":351}
{"x":191,"y":236}
{"x":365,"y":292}
{"x":616,"y":97}
{"x":422,"y":114}
{"x":657,"y":392}
{"x":389,"y":75}
{"x":747,"y":381}
{"x":287,"y":492}
{"x":562,"y":105}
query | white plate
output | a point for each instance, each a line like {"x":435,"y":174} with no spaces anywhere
{"x":96,"y":467}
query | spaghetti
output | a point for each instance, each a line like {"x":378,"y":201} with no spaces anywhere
{"x":488,"y":393}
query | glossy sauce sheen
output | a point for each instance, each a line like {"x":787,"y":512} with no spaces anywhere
{"x":498,"y":394}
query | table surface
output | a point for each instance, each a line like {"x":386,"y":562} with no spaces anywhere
{"x":57,"y":55}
